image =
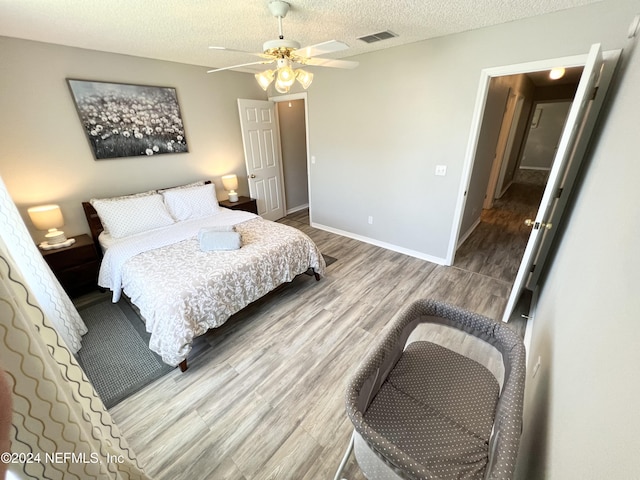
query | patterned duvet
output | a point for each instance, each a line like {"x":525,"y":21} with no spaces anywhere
{"x":182,"y":292}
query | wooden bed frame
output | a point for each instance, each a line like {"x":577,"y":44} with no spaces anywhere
{"x":96,"y":228}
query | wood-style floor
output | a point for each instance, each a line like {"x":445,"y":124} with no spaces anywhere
{"x":496,"y":246}
{"x":266,"y":400}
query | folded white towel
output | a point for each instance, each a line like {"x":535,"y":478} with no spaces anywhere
{"x":219,"y":240}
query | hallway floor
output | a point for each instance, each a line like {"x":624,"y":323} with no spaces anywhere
{"x":496,"y":246}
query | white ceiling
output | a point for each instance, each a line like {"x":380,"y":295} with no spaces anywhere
{"x":181,"y":31}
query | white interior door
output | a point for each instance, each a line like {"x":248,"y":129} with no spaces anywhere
{"x":575,"y":120}
{"x":262,"y":155}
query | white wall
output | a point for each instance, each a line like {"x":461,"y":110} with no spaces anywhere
{"x":542,"y":141}
{"x":378,"y":131}
{"x":581,"y":409}
{"x":45,"y":156}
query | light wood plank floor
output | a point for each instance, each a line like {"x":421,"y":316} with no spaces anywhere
{"x":266,"y":400}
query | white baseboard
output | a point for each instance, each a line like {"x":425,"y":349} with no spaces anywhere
{"x":297,"y":209}
{"x":378,"y":243}
{"x":468,"y":233}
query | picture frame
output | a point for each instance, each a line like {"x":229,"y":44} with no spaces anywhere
{"x":125,"y":120}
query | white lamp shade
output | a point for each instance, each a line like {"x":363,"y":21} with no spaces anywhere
{"x":230,"y":182}
{"x":46,"y":217}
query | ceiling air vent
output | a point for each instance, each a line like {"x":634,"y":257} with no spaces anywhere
{"x":376,"y":37}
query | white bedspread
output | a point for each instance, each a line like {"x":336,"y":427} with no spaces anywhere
{"x":121,"y":250}
{"x":182,"y":292}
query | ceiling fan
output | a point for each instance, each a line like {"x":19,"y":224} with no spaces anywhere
{"x":285,"y":53}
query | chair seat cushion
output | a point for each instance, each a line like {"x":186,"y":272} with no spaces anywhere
{"x":438,"y":407}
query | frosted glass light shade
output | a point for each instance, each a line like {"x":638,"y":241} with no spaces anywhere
{"x":286,"y":76}
{"x":304,"y":78}
{"x":265,"y":78}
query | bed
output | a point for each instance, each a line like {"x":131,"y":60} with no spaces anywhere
{"x":155,"y":252}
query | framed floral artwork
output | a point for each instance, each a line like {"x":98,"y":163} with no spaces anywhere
{"x":122,"y":120}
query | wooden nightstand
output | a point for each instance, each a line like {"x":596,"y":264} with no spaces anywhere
{"x":244,"y":203}
{"x":76,"y":266}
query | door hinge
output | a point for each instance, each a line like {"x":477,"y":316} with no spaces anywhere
{"x":559,"y":192}
{"x":533,"y":267}
{"x":595,"y":92}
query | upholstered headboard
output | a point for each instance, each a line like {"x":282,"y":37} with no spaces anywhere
{"x":95,"y":224}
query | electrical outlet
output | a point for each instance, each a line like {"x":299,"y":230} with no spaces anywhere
{"x":313,"y":159}
{"x":370,"y":220}
{"x":441,"y":170}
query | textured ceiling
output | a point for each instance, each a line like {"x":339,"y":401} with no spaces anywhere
{"x":181,"y":31}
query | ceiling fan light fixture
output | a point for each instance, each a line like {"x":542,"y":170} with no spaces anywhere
{"x":281,"y":88}
{"x":265,"y":78}
{"x":286,"y":76}
{"x":304,"y":78}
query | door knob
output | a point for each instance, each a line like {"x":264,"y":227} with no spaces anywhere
{"x":252,"y":176}
{"x":531,"y":223}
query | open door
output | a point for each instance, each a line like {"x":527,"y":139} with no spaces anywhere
{"x":262,"y":155}
{"x":564,"y":156}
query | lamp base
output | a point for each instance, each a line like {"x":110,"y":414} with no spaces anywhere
{"x":50,"y":246}
{"x":55,"y":236}
{"x":233,"y":197}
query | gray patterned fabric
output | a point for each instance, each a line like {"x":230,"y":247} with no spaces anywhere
{"x":430,"y":413}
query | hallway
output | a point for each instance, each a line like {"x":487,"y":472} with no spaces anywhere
{"x":496,"y":246}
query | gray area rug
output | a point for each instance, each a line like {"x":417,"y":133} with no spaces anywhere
{"x":115,"y":352}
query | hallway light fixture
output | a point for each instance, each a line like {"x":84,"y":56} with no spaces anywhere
{"x":556,"y":73}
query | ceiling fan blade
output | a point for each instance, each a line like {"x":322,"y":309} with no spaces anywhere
{"x":329,"y":62}
{"x":329,"y":46}
{"x":225,"y":49}
{"x":238,"y":66}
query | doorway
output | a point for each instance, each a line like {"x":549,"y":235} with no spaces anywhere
{"x":590,"y":95}
{"x":292,"y":117}
{"x":520,"y":132}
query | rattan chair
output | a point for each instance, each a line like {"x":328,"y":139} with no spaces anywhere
{"x":423,"y":411}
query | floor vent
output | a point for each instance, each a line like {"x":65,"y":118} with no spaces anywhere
{"x":377,"y":37}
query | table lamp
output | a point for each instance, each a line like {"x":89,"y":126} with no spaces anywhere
{"x":230,"y":183}
{"x":49,"y":217}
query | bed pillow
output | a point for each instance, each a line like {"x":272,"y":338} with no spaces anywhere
{"x":188,"y":185}
{"x":118,"y":198}
{"x":131,"y":215}
{"x":194,"y":202}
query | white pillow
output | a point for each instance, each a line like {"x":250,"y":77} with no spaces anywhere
{"x":194,"y":202}
{"x":132,"y":215}
{"x":119,"y":198}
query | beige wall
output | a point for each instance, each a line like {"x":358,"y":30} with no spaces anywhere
{"x":581,"y":408}
{"x":45,"y":156}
